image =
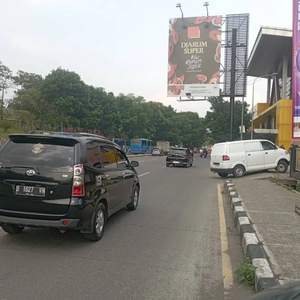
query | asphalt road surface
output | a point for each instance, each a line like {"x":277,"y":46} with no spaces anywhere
{"x":169,"y":248}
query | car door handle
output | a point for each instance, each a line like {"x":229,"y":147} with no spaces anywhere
{"x":266,"y":153}
{"x":249,"y":154}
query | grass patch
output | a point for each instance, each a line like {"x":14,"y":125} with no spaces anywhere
{"x":9,"y":131}
{"x":246,"y":272}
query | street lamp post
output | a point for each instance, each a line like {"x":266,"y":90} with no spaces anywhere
{"x":252,"y":117}
{"x":178,"y":5}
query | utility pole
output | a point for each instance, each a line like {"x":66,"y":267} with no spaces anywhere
{"x":232,"y":86}
{"x":242,"y":119}
{"x":252,"y":117}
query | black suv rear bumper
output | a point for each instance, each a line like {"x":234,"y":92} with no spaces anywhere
{"x":178,"y":161}
{"x":71,"y":223}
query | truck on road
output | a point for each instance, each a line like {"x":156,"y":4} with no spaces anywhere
{"x":164,"y":145}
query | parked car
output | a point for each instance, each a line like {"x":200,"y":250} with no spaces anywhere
{"x":64,"y":181}
{"x":157,"y":151}
{"x":180,"y":157}
{"x":240,"y":157}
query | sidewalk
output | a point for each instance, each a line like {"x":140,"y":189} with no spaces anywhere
{"x":271,"y":208}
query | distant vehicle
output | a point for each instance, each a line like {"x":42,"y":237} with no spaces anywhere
{"x":141,"y":146}
{"x":157,"y":151}
{"x":240,"y":157}
{"x":180,"y":157}
{"x":40,"y":132}
{"x":165,"y":145}
{"x":69,"y":182}
{"x":122,"y":143}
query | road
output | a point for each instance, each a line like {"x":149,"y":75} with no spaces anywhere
{"x":169,"y":248}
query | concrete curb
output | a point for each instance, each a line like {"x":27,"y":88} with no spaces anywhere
{"x":252,"y":246}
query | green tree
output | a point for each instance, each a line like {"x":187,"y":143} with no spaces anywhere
{"x":6,"y":82}
{"x":65,"y":95}
{"x":27,"y":94}
{"x":217,"y":120}
{"x":62,"y":100}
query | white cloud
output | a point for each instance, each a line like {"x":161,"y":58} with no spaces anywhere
{"x":28,"y":44}
{"x":53,"y":3}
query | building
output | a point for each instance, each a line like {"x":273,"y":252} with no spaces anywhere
{"x":271,"y":58}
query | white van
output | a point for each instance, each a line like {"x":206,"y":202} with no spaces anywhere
{"x":240,"y":157}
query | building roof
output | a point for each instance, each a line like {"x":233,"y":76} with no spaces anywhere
{"x":271,"y":44}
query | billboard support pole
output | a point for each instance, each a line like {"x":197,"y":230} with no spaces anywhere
{"x":242,"y":119}
{"x":232,"y":87}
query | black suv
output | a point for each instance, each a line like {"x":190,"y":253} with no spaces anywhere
{"x":64,"y":181}
{"x":180,"y":157}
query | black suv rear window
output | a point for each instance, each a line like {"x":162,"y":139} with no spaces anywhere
{"x":177,"y":151}
{"x":40,"y":153}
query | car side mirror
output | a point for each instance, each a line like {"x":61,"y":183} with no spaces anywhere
{"x":134,"y":164}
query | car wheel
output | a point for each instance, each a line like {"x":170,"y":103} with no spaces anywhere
{"x":98,"y":224}
{"x":223,"y":175}
{"x":282,"y":166}
{"x":134,"y":199}
{"x":239,"y":171}
{"x":167,"y":165}
{"x":12,"y":228}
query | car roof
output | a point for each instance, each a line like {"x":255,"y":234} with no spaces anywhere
{"x":79,"y":137}
{"x":236,"y":142}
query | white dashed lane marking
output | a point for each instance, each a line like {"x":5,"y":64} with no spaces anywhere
{"x":144,"y":174}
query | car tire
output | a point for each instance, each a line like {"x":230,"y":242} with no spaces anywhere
{"x":223,"y":175}
{"x":134,"y":199}
{"x":167,"y":165}
{"x":12,"y":228}
{"x":99,"y":223}
{"x":239,"y":171}
{"x":282,"y":166}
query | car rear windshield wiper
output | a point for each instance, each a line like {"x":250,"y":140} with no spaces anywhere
{"x":20,"y":167}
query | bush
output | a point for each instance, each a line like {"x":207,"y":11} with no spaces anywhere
{"x":5,"y":125}
{"x":246,"y":272}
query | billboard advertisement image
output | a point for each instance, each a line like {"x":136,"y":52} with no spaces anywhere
{"x":296,"y":69}
{"x":194,"y":56}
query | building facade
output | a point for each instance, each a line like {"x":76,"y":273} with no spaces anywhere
{"x":271,"y":58}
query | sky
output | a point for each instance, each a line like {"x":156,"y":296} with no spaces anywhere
{"x":119,"y":45}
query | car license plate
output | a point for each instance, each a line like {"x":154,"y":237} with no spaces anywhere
{"x":32,"y":191}
{"x":216,"y":164}
{"x":175,"y":162}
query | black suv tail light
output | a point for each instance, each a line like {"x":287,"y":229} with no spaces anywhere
{"x":78,"y":181}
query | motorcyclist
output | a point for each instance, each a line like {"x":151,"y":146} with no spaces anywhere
{"x":201,"y":152}
{"x":205,"y":152}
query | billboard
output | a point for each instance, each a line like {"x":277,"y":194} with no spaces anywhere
{"x":194,"y":56}
{"x":296,"y":69}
